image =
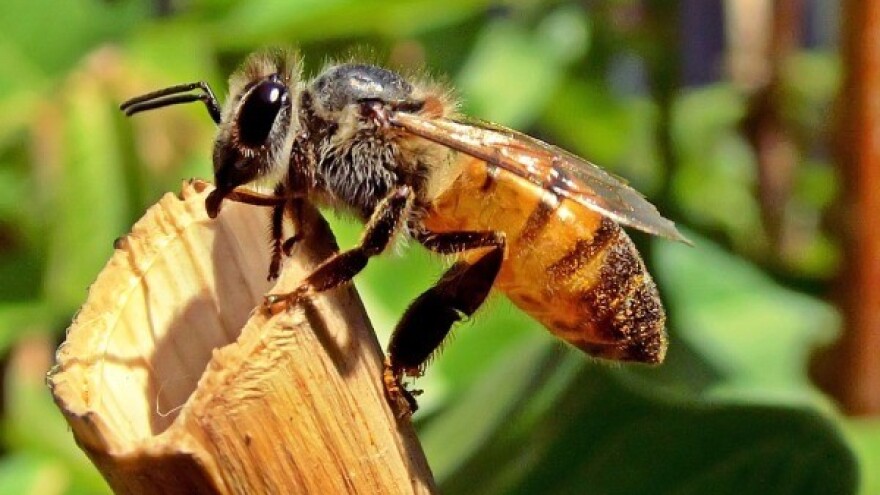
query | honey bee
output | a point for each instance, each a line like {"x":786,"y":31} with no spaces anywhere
{"x":534,"y":221}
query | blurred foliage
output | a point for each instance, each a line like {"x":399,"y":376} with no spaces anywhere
{"x":507,"y":408}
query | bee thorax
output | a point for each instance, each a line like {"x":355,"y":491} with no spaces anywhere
{"x":346,"y":84}
{"x":360,"y":171}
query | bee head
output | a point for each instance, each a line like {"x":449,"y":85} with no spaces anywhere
{"x":257,"y":127}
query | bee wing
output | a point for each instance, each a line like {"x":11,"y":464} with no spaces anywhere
{"x":546,"y":166}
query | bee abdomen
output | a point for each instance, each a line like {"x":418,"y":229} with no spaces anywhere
{"x":620,"y":275}
{"x":617,"y":309}
{"x":576,"y":272}
{"x":638,"y":324}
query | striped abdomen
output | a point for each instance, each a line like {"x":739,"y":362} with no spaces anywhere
{"x":572,"y":269}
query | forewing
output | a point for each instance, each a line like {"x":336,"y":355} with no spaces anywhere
{"x":547,"y":166}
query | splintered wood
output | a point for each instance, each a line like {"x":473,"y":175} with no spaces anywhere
{"x":173,"y":381}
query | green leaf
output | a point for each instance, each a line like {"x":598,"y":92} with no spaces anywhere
{"x":155,"y":50}
{"x":21,"y":87}
{"x":864,"y":436}
{"x":565,"y":32}
{"x":471,"y":418}
{"x":715,"y":178}
{"x":89,"y":208}
{"x":757,"y":334}
{"x":603,"y":437}
{"x":57,"y":34}
{"x":615,"y":133}
{"x":485,"y":341}
{"x":811,"y":82}
{"x":27,"y":474}
{"x":589,"y":121}
{"x":20,"y":275}
{"x":22,"y":319}
{"x":33,"y":424}
{"x":494,"y":82}
{"x":271,"y":21}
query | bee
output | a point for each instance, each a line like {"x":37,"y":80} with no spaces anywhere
{"x":529,"y":219}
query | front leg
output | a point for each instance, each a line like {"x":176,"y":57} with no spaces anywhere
{"x":281,"y":201}
{"x":340,"y":268}
{"x":241,"y":195}
{"x":281,"y":247}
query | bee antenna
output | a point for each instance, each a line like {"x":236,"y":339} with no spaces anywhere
{"x":174,"y":95}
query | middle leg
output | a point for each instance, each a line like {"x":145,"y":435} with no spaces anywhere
{"x":342,"y":267}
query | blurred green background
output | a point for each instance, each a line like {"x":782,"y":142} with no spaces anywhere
{"x":668,"y":94}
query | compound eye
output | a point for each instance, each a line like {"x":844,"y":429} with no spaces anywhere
{"x":259,"y":111}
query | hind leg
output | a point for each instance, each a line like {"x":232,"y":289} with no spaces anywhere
{"x":426,"y":323}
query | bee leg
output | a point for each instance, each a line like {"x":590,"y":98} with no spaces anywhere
{"x":281,"y":203}
{"x":401,"y":398}
{"x":248,"y":197}
{"x":276,"y":223}
{"x":277,"y":232}
{"x":426,"y":323}
{"x":241,"y":195}
{"x":294,"y":211}
{"x":342,"y":267}
{"x":282,"y":247}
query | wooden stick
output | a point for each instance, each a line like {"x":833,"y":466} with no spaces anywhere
{"x":850,"y":370}
{"x":172,"y":383}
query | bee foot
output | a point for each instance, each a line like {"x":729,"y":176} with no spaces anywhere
{"x":402,"y":400}
{"x":274,"y":270}
{"x":199,"y":185}
{"x":276,"y":303}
